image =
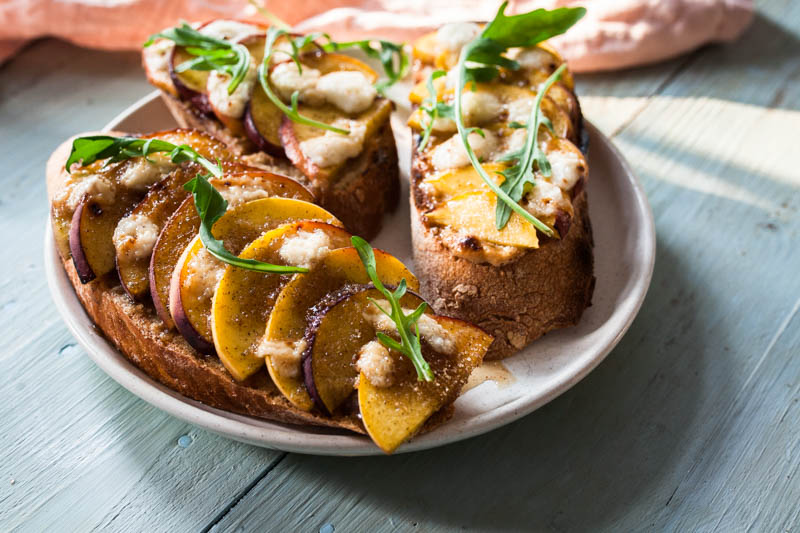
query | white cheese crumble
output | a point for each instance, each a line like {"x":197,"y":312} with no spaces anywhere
{"x":545,"y":199}
{"x":480,"y":107}
{"x":348,"y":90}
{"x":231,"y":30}
{"x":203,"y":273}
{"x":135,"y":236}
{"x":139,"y":173}
{"x":231,"y":105}
{"x":429,"y":329}
{"x":305,"y":248}
{"x":566,"y":167}
{"x":534,"y":58}
{"x":94,"y":187}
{"x":237,"y":195}
{"x":333,"y":148}
{"x":157,"y":58}
{"x":452,"y":154}
{"x":456,"y":34}
{"x":285,"y":356}
{"x":287,"y":78}
{"x":519,"y":110}
{"x":376,"y":364}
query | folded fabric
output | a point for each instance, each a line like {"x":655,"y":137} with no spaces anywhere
{"x":613,"y":34}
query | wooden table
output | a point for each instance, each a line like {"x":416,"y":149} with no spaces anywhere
{"x":692,"y":423}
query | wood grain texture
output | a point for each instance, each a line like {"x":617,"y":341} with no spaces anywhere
{"x":692,"y":423}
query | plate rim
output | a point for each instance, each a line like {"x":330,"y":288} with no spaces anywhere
{"x":289,"y":438}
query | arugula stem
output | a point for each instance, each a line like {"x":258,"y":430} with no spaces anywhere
{"x":463,"y":132}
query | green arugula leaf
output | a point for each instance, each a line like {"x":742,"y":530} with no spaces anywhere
{"x":208,"y":201}
{"x":520,"y":175}
{"x":210,"y":53}
{"x":297,"y":44}
{"x":528,"y":29}
{"x":210,"y":206}
{"x":433,"y":108}
{"x":481,"y":60}
{"x":87,"y":150}
{"x":392,"y":56}
{"x":409,"y":344}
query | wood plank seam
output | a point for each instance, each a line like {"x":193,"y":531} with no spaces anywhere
{"x":244,"y":492}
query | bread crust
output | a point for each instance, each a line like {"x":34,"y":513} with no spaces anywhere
{"x":518,"y":302}
{"x":359,"y":196}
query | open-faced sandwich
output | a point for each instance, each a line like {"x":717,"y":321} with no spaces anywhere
{"x":226,"y":283}
{"x":500,"y":226}
{"x":296,"y":105}
{"x":221,"y":260}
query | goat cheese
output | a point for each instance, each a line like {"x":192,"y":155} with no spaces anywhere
{"x":456,"y":34}
{"x":566,"y":167}
{"x":287,"y":78}
{"x":285,"y":356}
{"x":93,"y":187}
{"x":348,"y":90}
{"x":230,"y":30}
{"x":139,"y":173}
{"x":545,"y":199}
{"x":333,"y":148}
{"x":376,"y":364}
{"x":452,"y":154}
{"x":305,"y":248}
{"x":534,"y":58}
{"x":519,"y":110}
{"x":157,"y":58}
{"x":203,"y":274}
{"x":231,"y":105}
{"x":479,"y":107}
{"x":135,"y":236}
{"x":237,"y":195}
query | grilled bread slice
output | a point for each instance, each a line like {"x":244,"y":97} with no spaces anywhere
{"x":517,"y":283}
{"x":358,"y":187}
{"x":236,"y":382}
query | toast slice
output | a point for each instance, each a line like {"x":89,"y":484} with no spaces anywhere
{"x":162,"y":353}
{"x":361,"y":190}
{"x":516,"y":283}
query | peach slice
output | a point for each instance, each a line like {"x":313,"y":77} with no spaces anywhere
{"x":184,"y":224}
{"x":244,"y":299}
{"x":287,"y":323}
{"x":329,"y":360}
{"x":197,"y":273}
{"x":472,"y":213}
{"x":393,"y":414}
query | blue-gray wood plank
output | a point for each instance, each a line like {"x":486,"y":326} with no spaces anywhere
{"x":693,"y":422}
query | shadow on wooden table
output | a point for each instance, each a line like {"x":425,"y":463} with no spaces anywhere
{"x":586,"y":458}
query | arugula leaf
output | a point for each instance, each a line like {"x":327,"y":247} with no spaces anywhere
{"x":210,"y":53}
{"x":87,"y":150}
{"x":434,"y":108}
{"x":297,"y":44}
{"x":210,"y":207}
{"x":410,"y":344}
{"x":528,"y":29}
{"x":481,"y":60}
{"x":208,"y":201}
{"x":393,"y":58}
{"x":518,"y":176}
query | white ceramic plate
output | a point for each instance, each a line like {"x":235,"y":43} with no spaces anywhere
{"x":624,"y":254}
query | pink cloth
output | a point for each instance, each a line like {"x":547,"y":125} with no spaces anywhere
{"x":613,"y":34}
